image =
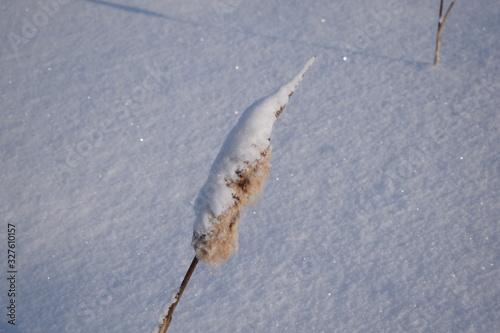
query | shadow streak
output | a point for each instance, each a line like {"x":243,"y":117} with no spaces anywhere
{"x":128,"y":8}
{"x":419,"y":64}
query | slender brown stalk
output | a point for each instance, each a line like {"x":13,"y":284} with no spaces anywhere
{"x":168,"y":317}
{"x":441,"y":22}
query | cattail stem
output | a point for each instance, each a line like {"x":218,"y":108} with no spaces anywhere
{"x":441,"y":22}
{"x":236,"y":177}
{"x":168,"y":317}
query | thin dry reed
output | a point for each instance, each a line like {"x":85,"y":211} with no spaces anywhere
{"x":441,"y":22}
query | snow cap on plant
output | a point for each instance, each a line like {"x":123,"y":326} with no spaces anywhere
{"x":237,"y":175}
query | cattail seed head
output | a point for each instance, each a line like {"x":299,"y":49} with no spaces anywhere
{"x":237,"y":176}
{"x":218,"y":245}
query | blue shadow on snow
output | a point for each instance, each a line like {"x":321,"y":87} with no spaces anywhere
{"x":129,"y":8}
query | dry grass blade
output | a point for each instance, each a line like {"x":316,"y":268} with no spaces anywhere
{"x":441,"y":22}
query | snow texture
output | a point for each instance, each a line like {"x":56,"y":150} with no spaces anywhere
{"x":381,"y":209}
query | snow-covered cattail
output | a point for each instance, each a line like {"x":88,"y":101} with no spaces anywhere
{"x":237,"y":176}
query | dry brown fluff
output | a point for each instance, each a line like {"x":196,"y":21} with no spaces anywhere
{"x":217,"y":246}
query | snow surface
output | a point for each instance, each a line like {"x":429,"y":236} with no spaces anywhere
{"x":381,"y":210}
